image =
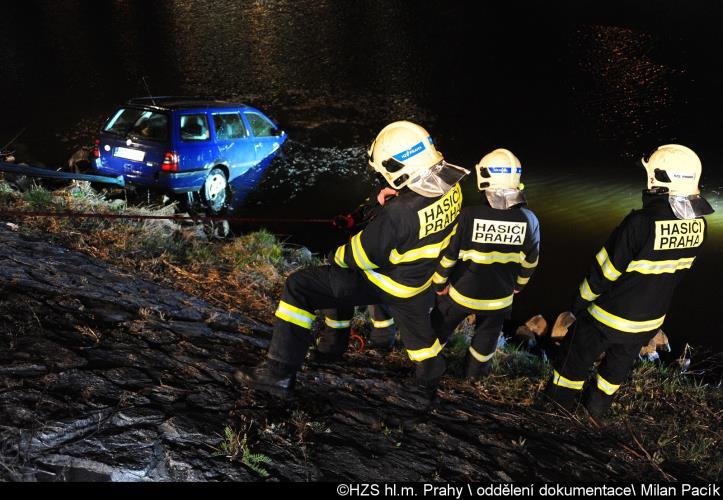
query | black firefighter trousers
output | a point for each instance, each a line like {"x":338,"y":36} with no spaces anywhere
{"x":585,"y":342}
{"x":328,"y":287}
{"x":334,"y":338}
{"x":447,"y":315}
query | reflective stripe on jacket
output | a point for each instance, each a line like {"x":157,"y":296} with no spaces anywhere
{"x":631,"y":283}
{"x":400,"y":248}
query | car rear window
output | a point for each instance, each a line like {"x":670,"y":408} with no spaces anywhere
{"x":228,"y":126}
{"x":194,"y":127}
{"x":142,"y":123}
{"x":260,"y":126}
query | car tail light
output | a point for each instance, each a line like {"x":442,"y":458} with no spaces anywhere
{"x":170,"y":162}
{"x":96,"y":148}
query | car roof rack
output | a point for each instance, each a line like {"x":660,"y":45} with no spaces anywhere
{"x":180,"y":102}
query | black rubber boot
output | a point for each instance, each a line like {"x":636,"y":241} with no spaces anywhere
{"x":476,"y":370}
{"x":423,"y":387}
{"x":421,"y":393}
{"x":271,"y":377}
{"x":555,"y":397}
{"x":330,"y":346}
{"x":597,"y":404}
{"x":381,"y":339}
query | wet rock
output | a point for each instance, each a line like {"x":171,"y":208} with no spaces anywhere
{"x":105,"y":376}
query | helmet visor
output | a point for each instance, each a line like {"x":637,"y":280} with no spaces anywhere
{"x":689,"y":207}
{"x":438,"y":180}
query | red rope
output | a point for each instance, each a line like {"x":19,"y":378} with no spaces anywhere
{"x":23,"y":213}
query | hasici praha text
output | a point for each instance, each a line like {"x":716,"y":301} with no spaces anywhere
{"x":498,"y":232}
{"x":674,"y":234}
{"x":441,"y":213}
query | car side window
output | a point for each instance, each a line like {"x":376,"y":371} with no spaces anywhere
{"x":194,"y":127}
{"x":260,"y":126}
{"x":228,"y":126}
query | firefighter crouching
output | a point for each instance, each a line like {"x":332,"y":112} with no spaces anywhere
{"x":622,"y":302}
{"x":491,"y":257}
{"x":390,"y":262}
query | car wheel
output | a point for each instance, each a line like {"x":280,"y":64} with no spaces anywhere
{"x":215,"y":190}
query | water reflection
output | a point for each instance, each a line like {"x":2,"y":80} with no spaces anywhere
{"x":623,"y":91}
{"x":573,"y":100}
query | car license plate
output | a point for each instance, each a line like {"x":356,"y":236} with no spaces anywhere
{"x":130,"y":154}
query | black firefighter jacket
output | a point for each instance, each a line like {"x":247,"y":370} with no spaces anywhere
{"x":630,"y":285}
{"x":398,"y":251}
{"x":493,"y":253}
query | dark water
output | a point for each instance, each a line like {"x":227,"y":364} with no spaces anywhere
{"x":578,"y":94}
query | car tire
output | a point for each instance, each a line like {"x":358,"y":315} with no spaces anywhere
{"x":215,"y":192}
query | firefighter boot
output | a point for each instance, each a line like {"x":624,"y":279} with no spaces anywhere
{"x":556,"y":397}
{"x":476,"y":370}
{"x":597,"y":403}
{"x":271,"y":377}
{"x":423,"y":387}
{"x":382,"y":339}
{"x":331,"y":346}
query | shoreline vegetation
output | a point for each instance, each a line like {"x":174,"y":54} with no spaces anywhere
{"x":670,"y":419}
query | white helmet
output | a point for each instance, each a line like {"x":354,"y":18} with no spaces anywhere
{"x":674,"y":167}
{"x":402,"y":152}
{"x":499,"y":169}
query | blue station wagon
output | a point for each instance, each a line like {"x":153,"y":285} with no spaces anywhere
{"x":180,"y":145}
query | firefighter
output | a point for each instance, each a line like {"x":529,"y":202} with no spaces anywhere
{"x":622,"y":302}
{"x":491,"y":257}
{"x":390,"y":262}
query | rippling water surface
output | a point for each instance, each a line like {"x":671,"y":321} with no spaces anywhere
{"x":579,"y":95}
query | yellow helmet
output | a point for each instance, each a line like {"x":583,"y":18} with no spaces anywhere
{"x":674,"y":167}
{"x":402,"y":152}
{"x":499,"y":169}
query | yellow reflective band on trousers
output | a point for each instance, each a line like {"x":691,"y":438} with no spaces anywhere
{"x":480,"y":304}
{"x":490,"y":257}
{"x":294,"y":315}
{"x":482,"y":358}
{"x":339,"y":256}
{"x":426,"y":353}
{"x":586,"y":292}
{"x":394,"y":288}
{"x":606,"y":386}
{"x":622,"y":324}
{"x":431,"y":251}
{"x":337,"y":324}
{"x":438,"y":278}
{"x":607,"y":267}
{"x":360,"y":256}
{"x":522,"y":281}
{"x":383,"y":323}
{"x":447,"y":262}
{"x":561,"y":381}
{"x":659,"y":266}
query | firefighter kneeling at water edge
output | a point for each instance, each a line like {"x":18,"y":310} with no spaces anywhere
{"x":490,"y":258}
{"x":390,"y":262}
{"x":622,"y":302}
